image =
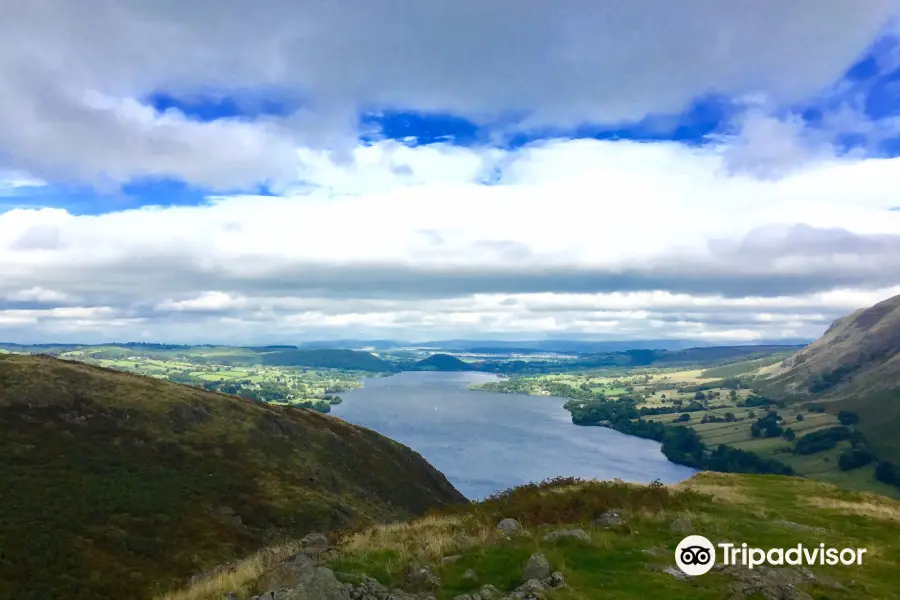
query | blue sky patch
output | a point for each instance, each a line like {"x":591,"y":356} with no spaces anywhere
{"x":426,"y":128}
{"x":85,"y":200}
{"x":211,"y":107}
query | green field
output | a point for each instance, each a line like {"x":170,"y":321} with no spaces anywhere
{"x":314,"y":388}
{"x":711,"y":393}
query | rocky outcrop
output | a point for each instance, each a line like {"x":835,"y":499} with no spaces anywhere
{"x":537,"y":567}
{"x":571,"y":534}
{"x":301,"y":578}
{"x":610,"y":519}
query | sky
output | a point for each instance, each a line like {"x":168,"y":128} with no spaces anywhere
{"x":276,"y":172}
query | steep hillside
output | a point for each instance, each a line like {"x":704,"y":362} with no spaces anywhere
{"x":861,"y":350}
{"x":118,"y":486}
{"x":854,"y":366}
{"x":572,"y":540}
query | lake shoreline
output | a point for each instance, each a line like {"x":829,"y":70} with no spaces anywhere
{"x":485,"y":447}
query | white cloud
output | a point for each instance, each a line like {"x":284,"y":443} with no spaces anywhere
{"x":72,"y":72}
{"x":622,"y":239}
{"x":765,"y":234}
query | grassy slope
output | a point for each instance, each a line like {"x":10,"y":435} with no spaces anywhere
{"x":115,"y":485}
{"x":867,"y":343}
{"x":627,"y":562}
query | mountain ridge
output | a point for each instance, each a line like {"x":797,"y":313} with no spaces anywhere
{"x":854,"y":367}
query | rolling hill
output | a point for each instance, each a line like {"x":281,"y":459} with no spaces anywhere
{"x":854,"y":366}
{"x":118,"y":486}
{"x":443,"y":362}
{"x":327,"y":359}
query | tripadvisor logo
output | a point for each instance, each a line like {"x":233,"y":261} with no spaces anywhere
{"x":696,"y":555}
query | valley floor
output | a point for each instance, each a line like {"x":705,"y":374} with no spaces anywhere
{"x":718,"y":404}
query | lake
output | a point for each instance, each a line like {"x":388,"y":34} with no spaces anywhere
{"x":486,"y":442}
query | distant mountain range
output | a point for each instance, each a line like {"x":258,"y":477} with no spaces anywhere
{"x":457,"y":345}
{"x":561,"y":346}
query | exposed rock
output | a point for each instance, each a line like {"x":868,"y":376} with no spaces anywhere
{"x":423,"y":579}
{"x":610,"y":518}
{"x":774,"y":583}
{"x":801,"y":527}
{"x":509,"y":526}
{"x":230,"y":596}
{"x":530,"y":590}
{"x":488,"y":592}
{"x":537,"y":567}
{"x":314,"y":540}
{"x":820,"y":579}
{"x":301,"y":559}
{"x":676,"y":573}
{"x":577,"y":534}
{"x":556,"y":580}
{"x":447,"y":560}
{"x":368,"y":588}
{"x":287,"y":574}
{"x":315,"y":583}
{"x":681,"y":525}
{"x":470,"y":575}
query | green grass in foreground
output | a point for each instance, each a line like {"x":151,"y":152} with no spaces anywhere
{"x":627,"y":562}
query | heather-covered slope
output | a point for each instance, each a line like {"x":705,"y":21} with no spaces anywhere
{"x":114,"y":485}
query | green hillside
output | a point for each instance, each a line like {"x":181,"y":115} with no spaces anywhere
{"x":443,"y":362}
{"x":600,"y":540}
{"x":854,"y":367}
{"x":327,"y":359}
{"x":118,"y":486}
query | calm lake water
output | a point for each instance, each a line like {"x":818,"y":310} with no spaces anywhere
{"x":486,"y":442}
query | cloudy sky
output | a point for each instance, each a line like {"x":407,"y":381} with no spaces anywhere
{"x":274,"y":171}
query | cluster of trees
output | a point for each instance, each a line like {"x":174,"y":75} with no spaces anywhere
{"x":855,"y":457}
{"x":601,"y":412}
{"x":768,"y":426}
{"x":681,"y":445}
{"x":848,"y":418}
{"x":887,"y":472}
{"x":322,"y":407}
{"x":727,"y":418}
{"x":564,"y":390}
{"x":666,"y":410}
{"x":823,"y":439}
{"x":757,"y":400}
